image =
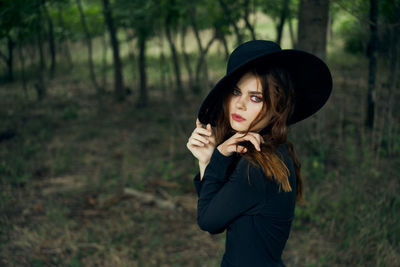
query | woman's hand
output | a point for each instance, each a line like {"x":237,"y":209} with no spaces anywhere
{"x":202,"y":142}
{"x":230,"y":145}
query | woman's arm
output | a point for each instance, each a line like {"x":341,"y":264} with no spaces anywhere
{"x":222,"y":162}
{"x":202,"y":167}
{"x":220,"y":200}
{"x":199,"y":176}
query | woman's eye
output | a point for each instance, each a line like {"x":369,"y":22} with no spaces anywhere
{"x":256,"y":99}
{"x":236,"y":91}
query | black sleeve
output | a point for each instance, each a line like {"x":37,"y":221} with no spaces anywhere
{"x":222,"y":200}
{"x":197,"y":183}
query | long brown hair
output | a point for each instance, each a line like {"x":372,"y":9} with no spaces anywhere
{"x":278,"y":98}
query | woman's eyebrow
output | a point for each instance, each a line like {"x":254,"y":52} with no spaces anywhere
{"x":251,"y":92}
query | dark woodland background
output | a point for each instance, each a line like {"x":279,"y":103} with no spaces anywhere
{"x":99,"y":97}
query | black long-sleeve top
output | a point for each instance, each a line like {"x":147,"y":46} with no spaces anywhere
{"x":256,"y":216}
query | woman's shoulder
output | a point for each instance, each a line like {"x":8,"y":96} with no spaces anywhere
{"x":282,"y":151}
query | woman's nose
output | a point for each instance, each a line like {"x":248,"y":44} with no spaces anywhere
{"x":240,"y":104}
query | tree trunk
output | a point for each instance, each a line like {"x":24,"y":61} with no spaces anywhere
{"x":284,"y":14}
{"x":329,"y":28}
{"x":196,"y":87}
{"x":42,"y":65}
{"x":392,"y":82}
{"x":163,"y":68}
{"x":39,"y":85}
{"x":89,"y":45}
{"x":130,"y":37}
{"x":104,"y":61}
{"x":227,"y":13}
{"x":312,"y":34}
{"x":186,"y":56}
{"x":64,"y":40}
{"x":118,"y":78}
{"x":51,"y":40}
{"x":221,"y":37}
{"x":131,"y":48}
{"x":202,"y":61}
{"x":246,"y":19}
{"x":23,"y":77}
{"x":371,"y":53}
{"x":179,"y":91}
{"x":202,"y":52}
{"x":42,"y":60}
{"x":205,"y":71}
{"x":312,"y":30}
{"x":142,"y":101}
{"x":10,"y":59}
{"x":291,"y":31}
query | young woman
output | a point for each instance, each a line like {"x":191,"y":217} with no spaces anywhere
{"x":250,"y":178}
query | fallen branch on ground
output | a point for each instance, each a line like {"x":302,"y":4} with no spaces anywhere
{"x":148,"y":198}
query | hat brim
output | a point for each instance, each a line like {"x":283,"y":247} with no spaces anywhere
{"x":311,"y":76}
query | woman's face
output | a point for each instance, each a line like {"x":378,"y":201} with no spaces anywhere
{"x":246,"y":101}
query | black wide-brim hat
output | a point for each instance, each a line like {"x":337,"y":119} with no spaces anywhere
{"x":311,"y":76}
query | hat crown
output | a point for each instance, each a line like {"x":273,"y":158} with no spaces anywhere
{"x":250,"y":50}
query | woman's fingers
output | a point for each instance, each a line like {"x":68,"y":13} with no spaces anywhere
{"x":202,"y":131}
{"x":196,"y":142}
{"x":241,"y":149}
{"x":200,"y":138}
{"x":258,"y":137}
{"x":252,"y":138}
{"x":198,"y":123}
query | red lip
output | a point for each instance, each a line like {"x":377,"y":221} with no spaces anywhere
{"x":237,"y":117}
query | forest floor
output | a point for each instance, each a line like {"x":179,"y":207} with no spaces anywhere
{"x":65,"y":162}
{"x":73,"y":154}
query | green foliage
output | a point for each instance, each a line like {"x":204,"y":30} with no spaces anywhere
{"x":390,"y":141}
{"x":274,"y":8}
{"x":37,"y":262}
{"x":72,"y":27}
{"x":354,"y":21}
{"x":70,"y":113}
{"x":353,"y":205}
{"x":389,"y":9}
{"x":355,"y":36}
{"x":17,"y":160}
{"x":16,"y":14}
{"x":142,"y":16}
{"x":74,"y":263}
